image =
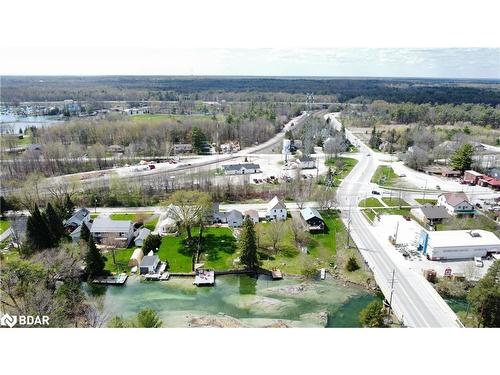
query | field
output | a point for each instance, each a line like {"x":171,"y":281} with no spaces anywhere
{"x":426,"y":201}
{"x":370,"y":202}
{"x":4,"y":225}
{"x":384,"y":176}
{"x":137,"y":216}
{"x":395,"y":202}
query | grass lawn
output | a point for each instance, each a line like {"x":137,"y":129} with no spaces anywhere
{"x":462,"y":223}
{"x":370,"y":214}
{"x":395,"y":202}
{"x":393,"y":211}
{"x":122,"y":257}
{"x":4,"y":225}
{"x":384,"y":176}
{"x":219,"y":250}
{"x":151,"y":222}
{"x":136,"y":216}
{"x":348,"y":165}
{"x":426,"y":201}
{"x":370,"y":202}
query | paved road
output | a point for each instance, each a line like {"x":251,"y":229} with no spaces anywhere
{"x":414,"y":300}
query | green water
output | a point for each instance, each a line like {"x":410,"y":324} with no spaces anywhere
{"x":243,"y":300}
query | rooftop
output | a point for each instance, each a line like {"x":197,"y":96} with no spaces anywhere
{"x":455,"y":198}
{"x":78,"y":216}
{"x":275,"y":202}
{"x":435,"y":212}
{"x":476,"y":237}
{"x":103,"y":224}
{"x":237,"y":167}
{"x":149,"y":261}
{"x":308,"y":213}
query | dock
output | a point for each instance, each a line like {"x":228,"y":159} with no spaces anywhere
{"x":276,"y":274}
{"x":322,"y":273}
{"x":157,"y":276}
{"x":111,"y":280}
{"x":204,"y":278}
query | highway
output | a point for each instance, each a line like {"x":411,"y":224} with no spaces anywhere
{"x":414,"y":300}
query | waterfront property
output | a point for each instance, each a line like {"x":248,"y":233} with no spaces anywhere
{"x":142,"y":234}
{"x":120,"y":231}
{"x":149,"y":264}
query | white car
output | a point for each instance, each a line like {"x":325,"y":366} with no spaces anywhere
{"x":478,"y":261}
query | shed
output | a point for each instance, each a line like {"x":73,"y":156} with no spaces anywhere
{"x":136,"y":258}
{"x":143,"y":234}
{"x":149,"y":264}
{"x":313,"y":219}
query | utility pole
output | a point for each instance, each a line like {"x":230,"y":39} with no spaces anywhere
{"x":392,"y":292}
{"x":349,"y":227}
{"x":425,"y":188}
{"x":396,"y":233}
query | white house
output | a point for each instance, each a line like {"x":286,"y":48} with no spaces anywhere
{"x":149,"y":264}
{"x":141,"y":236}
{"x":276,"y":210}
{"x":119,"y":230}
{"x":182,"y":147}
{"x":253,"y":214}
{"x":234,"y":218}
{"x":456,"y":203}
{"x":243,"y":168}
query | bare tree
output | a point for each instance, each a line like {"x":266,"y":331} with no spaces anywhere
{"x":297,"y":228}
{"x":276,"y":232}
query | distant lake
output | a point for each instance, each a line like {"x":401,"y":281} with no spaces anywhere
{"x":10,"y":123}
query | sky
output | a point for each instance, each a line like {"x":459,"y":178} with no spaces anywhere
{"x":481,"y":63}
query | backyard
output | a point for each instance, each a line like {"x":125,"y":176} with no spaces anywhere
{"x":4,"y":225}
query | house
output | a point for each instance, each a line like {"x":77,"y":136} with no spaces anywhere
{"x":433,"y":214}
{"x":149,"y":264}
{"x":217,"y":216}
{"x":234,"y":218}
{"x":80,"y":216}
{"x":118,"y":230}
{"x":491,"y":182}
{"x":306,"y":162}
{"x":472,"y":177}
{"x":141,"y":236}
{"x":116,"y":149}
{"x":243,"y":168}
{"x":136,"y":258}
{"x":313,"y":218}
{"x":76,"y":233}
{"x":253,"y":214}
{"x":167,"y":225}
{"x":180,"y":148}
{"x":276,"y":210}
{"x":456,"y":203}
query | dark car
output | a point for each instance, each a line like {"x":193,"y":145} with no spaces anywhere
{"x":478,"y":205}
{"x":375,"y":192}
{"x":407,"y":218}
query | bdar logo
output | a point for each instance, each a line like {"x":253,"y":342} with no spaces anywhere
{"x":8,"y":321}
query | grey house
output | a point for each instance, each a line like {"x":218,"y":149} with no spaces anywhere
{"x":244,"y":168}
{"x":119,"y":230}
{"x":234,"y":218}
{"x":149,"y":264}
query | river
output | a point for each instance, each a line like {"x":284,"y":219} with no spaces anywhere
{"x":240,"y":301}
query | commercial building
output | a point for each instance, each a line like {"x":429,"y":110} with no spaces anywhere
{"x":458,"y":244}
{"x":244,"y":168}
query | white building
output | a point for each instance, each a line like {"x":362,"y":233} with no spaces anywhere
{"x":276,"y":210}
{"x":458,"y":244}
{"x":149,"y":264}
{"x":456,"y":203}
{"x":253,"y":214}
{"x":141,"y":236}
{"x":234,"y":218}
{"x":244,"y":168}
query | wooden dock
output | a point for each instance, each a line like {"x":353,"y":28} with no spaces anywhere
{"x":111,"y":280}
{"x":204,"y":278}
{"x":276,"y":274}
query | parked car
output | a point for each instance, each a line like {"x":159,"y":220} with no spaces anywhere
{"x":438,"y":187}
{"x":463,"y":182}
{"x":152,"y":166}
{"x":478,"y":261}
{"x":407,"y":218}
{"x":478,"y":205}
{"x":375,"y":192}
{"x":402,"y":175}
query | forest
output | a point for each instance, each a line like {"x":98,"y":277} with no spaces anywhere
{"x":17,"y":89}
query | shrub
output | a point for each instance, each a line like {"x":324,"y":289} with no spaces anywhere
{"x":352,"y":264}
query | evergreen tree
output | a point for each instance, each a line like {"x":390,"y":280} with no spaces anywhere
{"x":68,"y":207}
{"x":148,"y":318}
{"x":372,"y":315}
{"x":462,"y":158}
{"x":4,"y":206}
{"x":38,"y":234}
{"x":85,"y":233}
{"x":94,"y":261}
{"x":151,"y":243}
{"x":352,"y":264}
{"x":248,"y":244}
{"x":55,"y":224}
{"x":485,"y":297}
{"x":198,"y":139}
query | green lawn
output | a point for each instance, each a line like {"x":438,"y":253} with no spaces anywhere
{"x":393,"y":211}
{"x":4,"y":225}
{"x":122,"y":256}
{"x":339,"y":174}
{"x":151,"y":222}
{"x":384,"y":176}
{"x":426,"y":201}
{"x":462,"y":223}
{"x":136,"y":216}
{"x":219,"y":250}
{"x":395,"y":202}
{"x":370,"y":202}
